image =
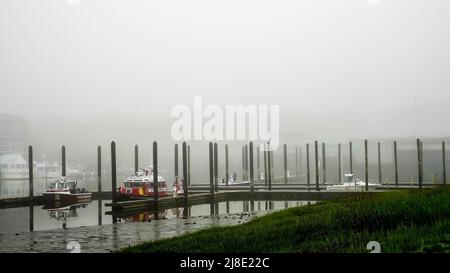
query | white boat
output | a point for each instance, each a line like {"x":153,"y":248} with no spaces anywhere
{"x":141,"y":184}
{"x":237,"y":183}
{"x":66,"y":190}
{"x":232,"y":181}
{"x":13,"y":166}
{"x":353,"y":184}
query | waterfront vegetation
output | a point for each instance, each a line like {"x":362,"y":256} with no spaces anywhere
{"x":401,"y":221}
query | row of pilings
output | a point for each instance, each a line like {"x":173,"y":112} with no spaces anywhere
{"x":248,"y":154}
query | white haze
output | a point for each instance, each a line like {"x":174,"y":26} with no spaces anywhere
{"x":112,"y":70}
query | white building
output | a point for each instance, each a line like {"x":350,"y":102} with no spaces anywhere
{"x":13,"y":166}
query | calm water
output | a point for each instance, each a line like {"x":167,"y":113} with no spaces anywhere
{"x":16,"y":220}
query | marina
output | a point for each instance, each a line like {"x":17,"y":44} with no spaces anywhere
{"x":223,"y":135}
{"x":70,"y":207}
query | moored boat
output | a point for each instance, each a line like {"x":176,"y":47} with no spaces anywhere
{"x":353,"y":184}
{"x":141,"y":185}
{"x":66,"y":190}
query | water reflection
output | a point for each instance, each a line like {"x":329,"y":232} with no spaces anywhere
{"x":31,"y":218}
{"x":57,"y":216}
{"x":99,"y":207}
{"x":61,"y":212}
{"x":215,"y":209}
{"x":148,"y":216}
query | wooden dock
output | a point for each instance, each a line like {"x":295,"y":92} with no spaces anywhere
{"x":198,"y":190}
{"x":222,"y":196}
{"x":25,"y":201}
{"x":311,"y":186}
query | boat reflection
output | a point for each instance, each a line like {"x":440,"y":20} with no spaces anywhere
{"x":148,"y":216}
{"x":62,"y":211}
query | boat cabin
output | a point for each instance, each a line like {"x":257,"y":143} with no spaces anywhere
{"x":61,"y":185}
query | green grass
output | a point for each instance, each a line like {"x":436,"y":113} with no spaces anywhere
{"x":401,"y":221}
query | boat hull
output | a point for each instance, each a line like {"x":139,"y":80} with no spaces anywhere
{"x":67,"y":198}
{"x":149,"y":194}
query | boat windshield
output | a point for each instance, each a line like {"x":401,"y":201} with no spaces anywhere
{"x":133,"y":184}
{"x":62,"y":185}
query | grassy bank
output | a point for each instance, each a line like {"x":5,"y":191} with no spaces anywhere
{"x":402,"y":221}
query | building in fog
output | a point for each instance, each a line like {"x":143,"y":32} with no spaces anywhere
{"x":14,"y":134}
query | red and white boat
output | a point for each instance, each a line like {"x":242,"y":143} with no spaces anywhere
{"x":141,"y":185}
{"x":66,"y":191}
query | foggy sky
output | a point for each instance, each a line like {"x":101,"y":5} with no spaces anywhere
{"x":338,"y":69}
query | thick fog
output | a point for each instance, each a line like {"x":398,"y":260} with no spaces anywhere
{"x":86,"y":73}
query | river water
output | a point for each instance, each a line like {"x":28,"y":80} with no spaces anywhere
{"x":91,"y":225}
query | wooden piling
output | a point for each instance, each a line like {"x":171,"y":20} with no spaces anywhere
{"x":63,"y":160}
{"x":265,"y":165}
{"x":380,"y":177}
{"x":252,"y":182}
{"x":99,"y":168}
{"x":419,"y":163}
{"x":272,"y":166}
{"x":422,"y":163}
{"x":339,"y":164}
{"x":324,"y":164}
{"x":258,"y":162}
{"x":246,"y":161}
{"x":285,"y":163}
{"x":185,"y":175}
{"x":308,"y":174}
{"x":300,"y":160}
{"x":269,"y":168}
{"x":113,"y":172}
{"x":395,"y":163}
{"x":155,"y":172}
{"x":136,"y":159}
{"x":316,"y":159}
{"x":444,"y":169}
{"x":227,"y":167}
{"x":243,"y":164}
{"x":176,"y":161}
{"x":211,"y":169}
{"x":30,"y":171}
{"x":216,"y":167}
{"x":351,"y":157}
{"x":189,"y":164}
{"x":366,"y":165}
